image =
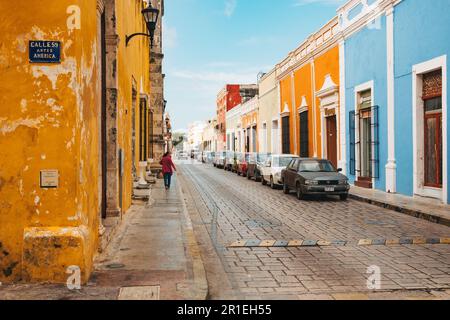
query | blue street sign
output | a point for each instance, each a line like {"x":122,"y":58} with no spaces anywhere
{"x":45,"y":51}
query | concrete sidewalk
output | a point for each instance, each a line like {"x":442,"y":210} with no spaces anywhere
{"x":424,"y":208}
{"x":153,"y":255}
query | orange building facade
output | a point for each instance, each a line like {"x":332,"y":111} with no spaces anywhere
{"x":310,"y":113}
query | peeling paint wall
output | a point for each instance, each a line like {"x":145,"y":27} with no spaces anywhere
{"x":48,"y":120}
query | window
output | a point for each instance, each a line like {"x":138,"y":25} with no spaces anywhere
{"x":294,"y":164}
{"x":316,"y":166}
{"x":143,"y":122}
{"x":286,"y":142}
{"x":281,"y":161}
{"x":304,"y":135}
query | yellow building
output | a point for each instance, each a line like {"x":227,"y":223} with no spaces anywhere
{"x":309,"y":80}
{"x":73,"y":128}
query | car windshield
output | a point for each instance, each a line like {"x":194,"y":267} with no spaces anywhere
{"x":281,"y":161}
{"x":262,"y":157}
{"x":316,"y":166}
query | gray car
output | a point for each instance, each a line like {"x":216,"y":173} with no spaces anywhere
{"x":314,"y":177}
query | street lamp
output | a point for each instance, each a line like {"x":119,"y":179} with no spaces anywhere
{"x":151,"y":18}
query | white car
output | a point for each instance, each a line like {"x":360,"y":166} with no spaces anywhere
{"x":271,"y":170}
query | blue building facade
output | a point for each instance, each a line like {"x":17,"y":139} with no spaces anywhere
{"x":365,"y":51}
{"x":422,"y":46}
{"x":396,"y":103}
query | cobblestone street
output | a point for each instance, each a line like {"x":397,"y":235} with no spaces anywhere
{"x":320,"y":249}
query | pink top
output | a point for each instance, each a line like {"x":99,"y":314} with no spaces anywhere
{"x":167,"y":164}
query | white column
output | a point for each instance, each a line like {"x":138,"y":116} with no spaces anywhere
{"x":314,"y":115}
{"x":294,"y":114}
{"x":342,"y":163}
{"x":391,"y":166}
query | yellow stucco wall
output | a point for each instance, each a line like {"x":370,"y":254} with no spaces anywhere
{"x":286,"y":100}
{"x":303,"y":89}
{"x":48,"y":120}
{"x":325,"y":64}
{"x":133,"y":72}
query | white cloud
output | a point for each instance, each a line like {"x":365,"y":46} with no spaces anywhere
{"x":230,"y":7}
{"x":300,"y":3}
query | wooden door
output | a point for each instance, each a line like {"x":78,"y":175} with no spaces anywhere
{"x":332,"y":140}
{"x":286,"y":142}
{"x":433,"y":150}
{"x":304,"y":135}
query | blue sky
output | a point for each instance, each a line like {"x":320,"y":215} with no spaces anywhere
{"x":208,"y":43}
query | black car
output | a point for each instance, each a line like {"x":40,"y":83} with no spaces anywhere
{"x":314,"y":177}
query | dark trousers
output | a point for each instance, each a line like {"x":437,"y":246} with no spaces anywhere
{"x":167,"y":179}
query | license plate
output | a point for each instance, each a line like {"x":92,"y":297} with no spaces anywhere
{"x":329,"y":189}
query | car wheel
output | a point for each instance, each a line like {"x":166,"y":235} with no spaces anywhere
{"x":285,"y":188}
{"x":263,"y":181}
{"x":343,"y":197}
{"x":299,"y":192}
{"x":272,"y":184}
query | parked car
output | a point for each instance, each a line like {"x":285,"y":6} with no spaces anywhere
{"x":207,"y":157}
{"x":182,"y":156}
{"x":256,"y":161}
{"x":243,"y":163}
{"x":229,"y":161}
{"x":314,"y":177}
{"x":271,"y":171}
{"x":238,"y":159}
{"x":219,"y":159}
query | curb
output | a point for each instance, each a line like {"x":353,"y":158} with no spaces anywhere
{"x":200,"y":282}
{"x":410,"y":212}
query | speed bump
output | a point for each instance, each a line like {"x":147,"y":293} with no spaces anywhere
{"x":419,"y":241}
{"x":433,"y":241}
{"x":295,"y":243}
{"x":339,"y":242}
{"x":323,"y":243}
{"x":309,"y":243}
{"x":238,"y":244}
{"x":392,"y":242}
{"x":405,"y":241}
{"x":445,"y":240}
{"x":281,"y":243}
{"x":267,"y":243}
{"x":252,"y":243}
{"x":365,"y":242}
{"x":378,"y":242}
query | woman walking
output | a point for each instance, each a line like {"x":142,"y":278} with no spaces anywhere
{"x":167,"y":168}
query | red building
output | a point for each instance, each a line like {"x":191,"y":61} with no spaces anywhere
{"x":227,"y":99}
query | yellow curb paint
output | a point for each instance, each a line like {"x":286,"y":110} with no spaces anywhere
{"x":238,"y":244}
{"x":267,"y":243}
{"x":392,"y":242}
{"x":323,"y":243}
{"x":419,"y":241}
{"x":365,"y":242}
{"x":445,"y":240}
{"x":295,"y":243}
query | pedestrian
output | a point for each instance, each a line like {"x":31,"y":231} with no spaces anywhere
{"x":167,"y":168}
